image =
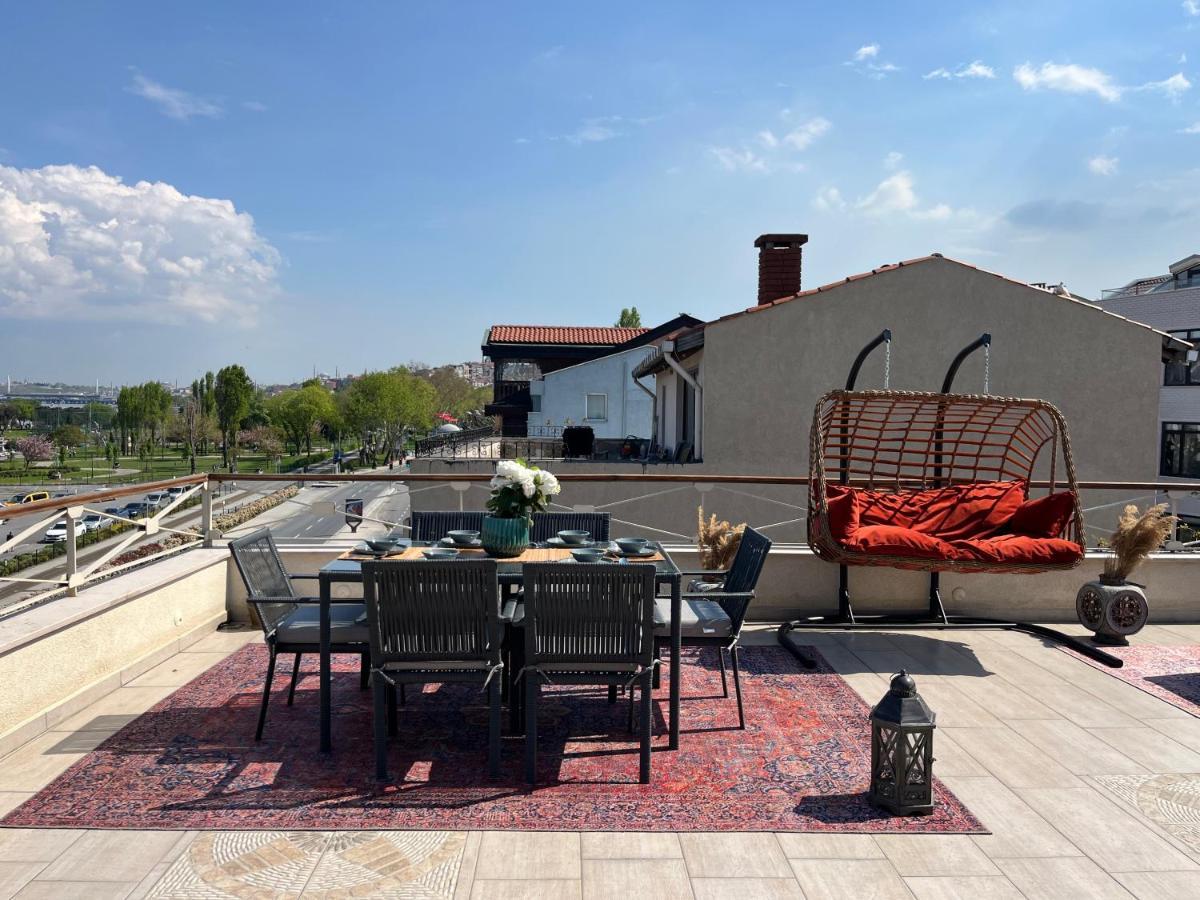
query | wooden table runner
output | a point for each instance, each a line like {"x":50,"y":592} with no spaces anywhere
{"x":531,"y":554}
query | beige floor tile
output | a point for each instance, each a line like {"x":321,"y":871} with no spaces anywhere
{"x":224,"y":641}
{"x":954,"y":708}
{"x":916,"y":855}
{"x":37,"y":763}
{"x":115,"y":710}
{"x":15,"y":875}
{"x":75,"y":890}
{"x":178,"y":670}
{"x":466,"y":869}
{"x":1003,"y":699}
{"x":112,"y":856}
{"x":1105,"y":832}
{"x":1183,"y":731}
{"x":1077,"y":748}
{"x":651,"y":879}
{"x":829,"y":846}
{"x":1161,"y":885}
{"x":1151,"y":748}
{"x":995,"y":887}
{"x":1082,"y":707}
{"x":10,"y":800}
{"x":630,"y":845}
{"x":161,"y":868}
{"x":849,"y":879}
{"x":730,"y":855}
{"x":1062,"y":879}
{"x":953,"y":759}
{"x":526,"y":889}
{"x":35,"y":844}
{"x":1011,"y":758}
{"x":549,"y":855}
{"x":869,"y":686}
{"x":746,"y":889}
{"x":1016,"y":830}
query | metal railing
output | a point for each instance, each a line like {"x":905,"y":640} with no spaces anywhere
{"x":444,"y":444}
{"x":787,"y":511}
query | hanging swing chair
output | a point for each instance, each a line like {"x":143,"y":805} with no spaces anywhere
{"x":939,"y":482}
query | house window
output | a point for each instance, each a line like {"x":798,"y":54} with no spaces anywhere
{"x":1180,"y":455}
{"x":1183,"y":372}
{"x":596,"y":408}
{"x":535,"y":403}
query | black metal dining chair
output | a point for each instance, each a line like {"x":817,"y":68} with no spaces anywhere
{"x":291,"y":623}
{"x":433,"y":525}
{"x":714,"y":618}
{"x":433,"y":622}
{"x":547,"y":524}
{"x":587,"y":624}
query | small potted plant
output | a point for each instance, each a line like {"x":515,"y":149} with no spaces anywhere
{"x":518,"y":491}
{"x":718,"y":542}
{"x":1114,"y":607}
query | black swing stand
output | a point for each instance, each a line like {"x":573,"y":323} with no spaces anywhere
{"x":935,"y":618}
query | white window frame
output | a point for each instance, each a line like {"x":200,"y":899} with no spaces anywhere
{"x":587,"y":397}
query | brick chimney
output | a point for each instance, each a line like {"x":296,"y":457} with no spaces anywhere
{"x":779,"y":265}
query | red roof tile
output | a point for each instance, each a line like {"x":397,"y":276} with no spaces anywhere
{"x":556,"y":334}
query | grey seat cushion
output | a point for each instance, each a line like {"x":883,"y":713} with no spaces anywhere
{"x":303,"y":626}
{"x":698,"y":618}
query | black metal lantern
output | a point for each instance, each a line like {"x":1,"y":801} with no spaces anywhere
{"x":902,"y":750}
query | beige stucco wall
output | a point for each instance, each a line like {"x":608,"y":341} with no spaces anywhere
{"x":74,"y":644}
{"x":765,"y":371}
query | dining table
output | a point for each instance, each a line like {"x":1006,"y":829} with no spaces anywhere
{"x":347,"y":569}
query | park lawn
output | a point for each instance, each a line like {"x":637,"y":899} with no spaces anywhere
{"x":172,"y":465}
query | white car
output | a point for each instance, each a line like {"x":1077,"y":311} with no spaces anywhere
{"x":57,"y":533}
{"x":158,"y":500}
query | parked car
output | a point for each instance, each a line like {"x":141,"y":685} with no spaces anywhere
{"x":176,"y":491}
{"x":114,"y":510}
{"x":135,"y":510}
{"x":57,"y":533}
{"x":95,"y":521}
{"x":158,"y":499}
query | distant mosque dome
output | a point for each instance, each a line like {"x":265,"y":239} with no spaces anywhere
{"x":448,"y":428}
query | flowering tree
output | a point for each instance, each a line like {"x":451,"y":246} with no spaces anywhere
{"x":518,"y":490}
{"x":34,"y":448}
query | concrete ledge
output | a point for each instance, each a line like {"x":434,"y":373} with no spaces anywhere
{"x":57,"y":658}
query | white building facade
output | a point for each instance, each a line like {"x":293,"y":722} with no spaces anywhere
{"x":1171,"y":303}
{"x":600,"y":393}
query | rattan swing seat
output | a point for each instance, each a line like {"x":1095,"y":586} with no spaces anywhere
{"x":941,"y":482}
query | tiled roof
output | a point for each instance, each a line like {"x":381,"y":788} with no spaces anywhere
{"x":558,"y":334}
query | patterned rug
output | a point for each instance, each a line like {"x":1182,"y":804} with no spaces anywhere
{"x":191,"y":762}
{"x":1169,"y":672}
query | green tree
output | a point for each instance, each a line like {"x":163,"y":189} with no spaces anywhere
{"x":383,"y":407}
{"x":301,"y":413}
{"x":233,"y":391}
{"x":630,"y":318}
{"x":68,"y":436}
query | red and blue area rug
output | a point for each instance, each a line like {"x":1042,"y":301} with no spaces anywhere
{"x":1170,"y":672}
{"x":191,"y":762}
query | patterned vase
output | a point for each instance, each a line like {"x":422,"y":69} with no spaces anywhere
{"x":1112,"y":609}
{"x":504,"y":538}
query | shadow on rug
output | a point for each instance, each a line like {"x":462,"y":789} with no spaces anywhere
{"x":191,"y":762}
{"x":1169,"y":672}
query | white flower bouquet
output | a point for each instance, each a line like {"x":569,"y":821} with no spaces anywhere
{"x":520,"y":490}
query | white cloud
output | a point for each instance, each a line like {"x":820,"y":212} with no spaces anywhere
{"x":892,"y":161}
{"x":1103,"y":165}
{"x":743,"y":160}
{"x":866,"y":60}
{"x":894,"y":194}
{"x":79,"y":243}
{"x":593,"y":131}
{"x":1070,"y":78}
{"x":254,"y":106}
{"x":804,"y":134}
{"x":939,"y":213}
{"x":1194,"y":128}
{"x":974,"y":69}
{"x":1173,"y":87}
{"x":1191,"y":7}
{"x":829,"y":199}
{"x":172,"y":102}
{"x":767,"y":138}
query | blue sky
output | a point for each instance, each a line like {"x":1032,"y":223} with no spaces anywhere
{"x":290,"y":185}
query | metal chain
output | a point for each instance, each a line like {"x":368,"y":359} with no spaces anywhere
{"x":887,"y":364}
{"x":987,"y":368}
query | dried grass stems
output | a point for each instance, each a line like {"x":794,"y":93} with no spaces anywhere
{"x":1138,"y":535}
{"x":718,"y":541}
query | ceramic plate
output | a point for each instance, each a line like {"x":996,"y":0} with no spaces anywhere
{"x":447,"y":542}
{"x":559,"y":542}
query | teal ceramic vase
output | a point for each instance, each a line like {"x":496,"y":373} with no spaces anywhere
{"x":504,"y":538}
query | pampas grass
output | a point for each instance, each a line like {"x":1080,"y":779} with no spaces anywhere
{"x":1137,"y":536}
{"x":718,"y":541}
